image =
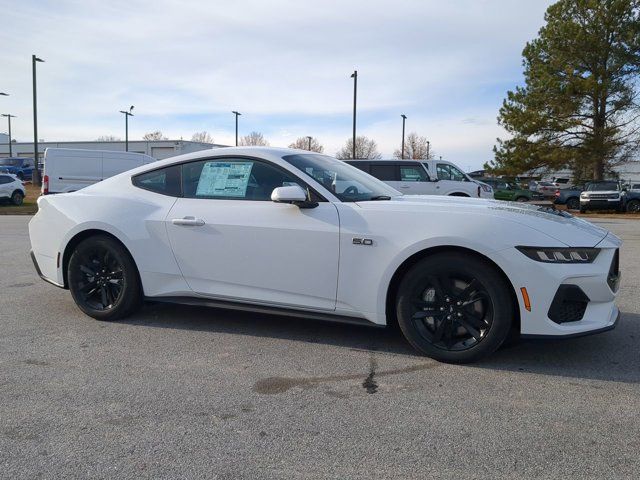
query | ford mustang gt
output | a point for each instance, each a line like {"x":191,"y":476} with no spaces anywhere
{"x":297,"y":233}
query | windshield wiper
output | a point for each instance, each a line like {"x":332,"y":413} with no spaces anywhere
{"x":381,"y":197}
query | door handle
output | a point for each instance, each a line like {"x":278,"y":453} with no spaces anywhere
{"x":405,"y":186}
{"x":188,"y":221}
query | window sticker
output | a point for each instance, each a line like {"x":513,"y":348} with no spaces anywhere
{"x":224,"y":179}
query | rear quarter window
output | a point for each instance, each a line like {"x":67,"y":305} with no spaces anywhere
{"x":165,"y":181}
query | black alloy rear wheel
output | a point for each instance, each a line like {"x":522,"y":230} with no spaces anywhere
{"x":103,"y":279}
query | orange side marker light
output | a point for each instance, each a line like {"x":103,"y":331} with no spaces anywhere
{"x":525,"y":298}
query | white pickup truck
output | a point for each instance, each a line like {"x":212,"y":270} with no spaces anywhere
{"x":70,"y":169}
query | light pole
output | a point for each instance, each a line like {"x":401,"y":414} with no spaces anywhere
{"x":237,"y":114}
{"x":354,"y":75}
{"x":428,"y":146}
{"x":9,"y":117}
{"x":36,"y":170}
{"x":2,"y":94}
{"x":127,"y":114}
{"x":404,"y":118}
{"x":309,"y":139}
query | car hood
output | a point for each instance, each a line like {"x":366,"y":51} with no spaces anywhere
{"x":560,"y":225}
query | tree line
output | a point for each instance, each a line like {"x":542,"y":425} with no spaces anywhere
{"x":416,"y":147}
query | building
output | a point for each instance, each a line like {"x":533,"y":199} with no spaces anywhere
{"x":157,"y":149}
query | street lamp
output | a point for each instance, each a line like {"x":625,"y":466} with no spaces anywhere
{"x":2,"y":94}
{"x":9,"y":117}
{"x":354,"y":75}
{"x":428,"y":146}
{"x":309,"y":138}
{"x":237,"y":114}
{"x":36,"y":170}
{"x":404,"y":118}
{"x":127,"y":114}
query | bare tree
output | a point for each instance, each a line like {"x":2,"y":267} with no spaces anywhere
{"x":203,"y":137}
{"x":108,"y":138}
{"x":254,"y":139}
{"x":416,"y":147}
{"x":305,"y":143}
{"x":157,"y":135}
{"x":365,"y":148}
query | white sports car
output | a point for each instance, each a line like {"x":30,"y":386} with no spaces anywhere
{"x":298,"y":233}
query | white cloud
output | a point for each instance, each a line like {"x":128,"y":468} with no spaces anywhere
{"x":284,"y":64}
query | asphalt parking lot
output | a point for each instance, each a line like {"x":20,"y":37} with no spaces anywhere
{"x":185,"y":392}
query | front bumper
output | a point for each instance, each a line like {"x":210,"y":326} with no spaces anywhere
{"x":543,"y":281}
{"x":600,"y":203}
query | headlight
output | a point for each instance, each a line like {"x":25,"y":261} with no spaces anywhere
{"x":560,"y":255}
{"x":583,"y":195}
{"x":486,"y":188}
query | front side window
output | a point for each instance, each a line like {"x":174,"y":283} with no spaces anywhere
{"x":164,"y":180}
{"x":5,"y":179}
{"x":233,"y":179}
{"x":346,"y":182}
{"x":450,"y":172}
{"x":412,"y":174}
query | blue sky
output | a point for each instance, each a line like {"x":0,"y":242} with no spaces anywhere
{"x":285,"y":65}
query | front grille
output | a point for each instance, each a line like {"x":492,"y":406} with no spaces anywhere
{"x":602,"y":196}
{"x":569,"y":304}
{"x":613,"y":278}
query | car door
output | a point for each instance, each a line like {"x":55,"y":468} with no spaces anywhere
{"x":6,"y":183}
{"x":501,"y":192}
{"x":451,"y":179}
{"x":232,"y":242}
{"x":414,"y":179}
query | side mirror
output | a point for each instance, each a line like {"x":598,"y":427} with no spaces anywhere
{"x":292,"y":194}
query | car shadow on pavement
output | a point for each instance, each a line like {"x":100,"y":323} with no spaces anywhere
{"x":610,"y":356}
{"x":216,"y":320}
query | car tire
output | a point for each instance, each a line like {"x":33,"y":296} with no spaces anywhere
{"x":522,"y":199}
{"x":573,"y":203}
{"x":454,"y":307}
{"x":633,"y":206}
{"x":103,"y":279}
{"x":17,"y":198}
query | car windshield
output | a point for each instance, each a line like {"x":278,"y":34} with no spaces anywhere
{"x":347,"y":183}
{"x":9,"y":162}
{"x":603,"y":186}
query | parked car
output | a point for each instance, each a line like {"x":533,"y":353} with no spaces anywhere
{"x":602,"y":195}
{"x":506,"y":190}
{"x":268,"y":230}
{"x":569,"y":196}
{"x":11,"y":188}
{"x":424,"y":177}
{"x":70,"y":169}
{"x":18,"y":166}
{"x":547,"y":189}
{"x":632,"y":201}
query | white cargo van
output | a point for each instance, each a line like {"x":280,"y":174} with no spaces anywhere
{"x":70,"y":169}
{"x":424,"y":177}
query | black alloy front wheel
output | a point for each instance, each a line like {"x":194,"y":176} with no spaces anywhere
{"x":454,"y":307}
